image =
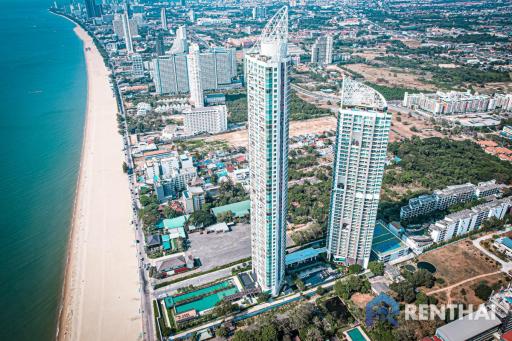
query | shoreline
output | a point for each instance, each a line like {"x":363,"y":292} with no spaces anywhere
{"x":64,"y":296}
{"x":80,"y":309}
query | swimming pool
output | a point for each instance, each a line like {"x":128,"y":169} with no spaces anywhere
{"x":206,"y":302}
{"x":175,"y":300}
{"x":207,"y":297}
{"x":356,"y":334}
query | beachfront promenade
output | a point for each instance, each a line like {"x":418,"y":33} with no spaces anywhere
{"x":101,"y":295}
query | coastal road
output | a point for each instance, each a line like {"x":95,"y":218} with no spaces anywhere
{"x":146,"y":309}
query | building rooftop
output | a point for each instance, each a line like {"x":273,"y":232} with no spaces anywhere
{"x":302,"y":255}
{"x":455,"y":189}
{"x":239,"y":209}
{"x":469,"y":326}
{"x":507,"y":242}
{"x":153,"y":240}
{"x":175,"y":222}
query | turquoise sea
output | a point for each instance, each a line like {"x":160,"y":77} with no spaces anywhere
{"x":42,"y":106}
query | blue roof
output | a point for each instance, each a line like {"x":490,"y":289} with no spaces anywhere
{"x":175,"y":222}
{"x":166,"y":242}
{"x":507,"y":242}
{"x":384,"y":241}
{"x":239,"y":209}
{"x":303,"y":255}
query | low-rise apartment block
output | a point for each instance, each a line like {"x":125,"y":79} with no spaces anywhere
{"x":449,"y":196}
{"x":465,"y":221}
{"x":206,"y":119}
{"x":455,"y":102}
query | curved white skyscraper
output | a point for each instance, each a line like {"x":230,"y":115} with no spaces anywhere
{"x":266,"y":68}
{"x":359,"y":157}
{"x":194,"y":77}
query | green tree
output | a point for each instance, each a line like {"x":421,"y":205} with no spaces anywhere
{"x":263,"y":297}
{"x":244,"y":335}
{"x":377,"y":268}
{"x":404,"y":291}
{"x":221,"y":332}
{"x":202,"y":218}
{"x":224,"y":308}
{"x":355,"y":269}
{"x":226,"y":217}
{"x":483,"y":291}
{"x":268,"y":332}
{"x":300,"y":284}
{"x":320,"y":290}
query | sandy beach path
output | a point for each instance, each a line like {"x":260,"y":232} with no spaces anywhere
{"x":101,"y":296}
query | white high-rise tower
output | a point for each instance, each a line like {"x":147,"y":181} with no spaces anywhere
{"x":194,"y":77}
{"x":127,"y":32}
{"x":266,"y":68}
{"x":163,"y":18}
{"x":359,"y":157}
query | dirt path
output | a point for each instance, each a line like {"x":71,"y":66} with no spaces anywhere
{"x":462,"y":282}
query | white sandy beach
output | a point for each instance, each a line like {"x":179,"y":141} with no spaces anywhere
{"x":101,"y":295}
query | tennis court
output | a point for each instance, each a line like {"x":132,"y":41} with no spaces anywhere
{"x":384,"y":241}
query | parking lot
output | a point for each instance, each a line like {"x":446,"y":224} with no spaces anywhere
{"x":215,"y":249}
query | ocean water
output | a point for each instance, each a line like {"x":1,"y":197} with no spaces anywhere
{"x":42,"y":105}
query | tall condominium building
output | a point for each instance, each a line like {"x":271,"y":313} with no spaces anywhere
{"x":194,"y":77}
{"x":159,"y":45}
{"x":217,"y":65}
{"x":321,"y":52}
{"x":127,"y":33}
{"x":137,"y":65}
{"x":92,"y":9}
{"x":170,"y":74}
{"x":266,"y":68}
{"x":117,"y":25}
{"x":180,"y":44}
{"x":359,"y":157}
{"x":212,"y":119}
{"x":259,"y":12}
{"x":163,"y":18}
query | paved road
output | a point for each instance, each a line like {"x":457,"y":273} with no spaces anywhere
{"x":316,"y":95}
{"x":505,"y":266}
{"x":146,"y":309}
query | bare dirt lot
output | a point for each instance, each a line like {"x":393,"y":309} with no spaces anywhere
{"x":458,"y":262}
{"x":466,"y":292}
{"x":406,"y":126}
{"x":314,"y":126}
{"x":391,"y":77}
{"x":361,"y":300}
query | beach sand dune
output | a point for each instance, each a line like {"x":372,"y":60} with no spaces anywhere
{"x":101,"y":298}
